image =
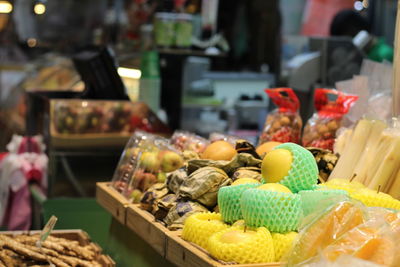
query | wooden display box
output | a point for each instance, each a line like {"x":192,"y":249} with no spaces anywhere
{"x":168,"y":244}
{"x":144,"y":225}
{"x":112,"y":201}
{"x":78,"y":235}
{"x":183,"y":253}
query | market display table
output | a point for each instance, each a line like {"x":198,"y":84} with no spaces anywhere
{"x":131,"y":222}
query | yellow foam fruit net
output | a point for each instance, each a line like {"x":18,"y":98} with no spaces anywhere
{"x":377,"y":200}
{"x":342,"y":184}
{"x":200,"y":226}
{"x":282,"y":244}
{"x":257,"y":249}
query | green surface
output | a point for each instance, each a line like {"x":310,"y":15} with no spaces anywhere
{"x":124,"y":246}
{"x":79,"y":213}
{"x":128,"y":249}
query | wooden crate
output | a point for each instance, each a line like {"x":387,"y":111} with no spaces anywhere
{"x":112,"y":201}
{"x":144,"y":225}
{"x":183,"y":253}
{"x":78,"y":235}
{"x":167,"y":243}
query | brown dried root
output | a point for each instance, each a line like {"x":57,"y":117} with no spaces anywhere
{"x":63,"y":246}
{"x":5,"y":241}
{"x":78,"y":262}
{"x":5,"y":259}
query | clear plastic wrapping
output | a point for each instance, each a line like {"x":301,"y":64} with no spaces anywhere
{"x":331,"y":106}
{"x":145,"y":161}
{"x":283,"y":124}
{"x":184,"y":140}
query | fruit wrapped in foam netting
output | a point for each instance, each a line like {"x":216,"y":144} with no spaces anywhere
{"x":282,"y":244}
{"x":200,"y":226}
{"x":242,"y":246}
{"x":277,"y":211}
{"x":229,"y":201}
{"x":372,"y":198}
{"x":292,"y":166}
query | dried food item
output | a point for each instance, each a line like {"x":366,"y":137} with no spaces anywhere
{"x":242,"y":160}
{"x":244,"y":146}
{"x":189,"y":155}
{"x":203,"y":184}
{"x":175,"y":180}
{"x":326,"y":161}
{"x":21,"y":250}
{"x":239,"y":161}
{"x":247,"y":172}
{"x":163,"y":206}
{"x":153,"y":194}
{"x":283,"y":124}
{"x":331,"y":106}
{"x":180,"y":211}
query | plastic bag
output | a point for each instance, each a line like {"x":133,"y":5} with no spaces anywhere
{"x":145,"y":161}
{"x":324,"y":226}
{"x":374,"y":241}
{"x":331,"y":105}
{"x":183,"y":140}
{"x":342,"y":261}
{"x":213,"y":137}
{"x":129,"y":158}
{"x":283,"y":124}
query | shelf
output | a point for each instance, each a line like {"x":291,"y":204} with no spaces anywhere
{"x":188,"y":52}
{"x":112,"y":201}
{"x":167,"y":243}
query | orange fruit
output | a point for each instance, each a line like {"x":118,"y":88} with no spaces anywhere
{"x":265,"y":148}
{"x":219,"y":150}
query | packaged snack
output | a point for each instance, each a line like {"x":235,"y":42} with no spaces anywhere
{"x":331,"y":105}
{"x":183,"y":140}
{"x":283,"y":124}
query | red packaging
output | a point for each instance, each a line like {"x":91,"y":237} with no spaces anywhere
{"x":331,"y":105}
{"x":283,"y":124}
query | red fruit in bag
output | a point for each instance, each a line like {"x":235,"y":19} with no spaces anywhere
{"x":283,"y":124}
{"x":331,"y":105}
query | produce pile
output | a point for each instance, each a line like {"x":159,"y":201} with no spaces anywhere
{"x":279,"y":201}
{"x":21,"y":250}
{"x":105,"y":117}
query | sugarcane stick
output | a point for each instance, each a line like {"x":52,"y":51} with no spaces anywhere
{"x":396,"y":67}
{"x":368,"y":154}
{"x":394,"y":190}
{"x":342,"y":140}
{"x":389,"y":164}
{"x":377,"y":157}
{"x":346,"y":163}
{"x":392,"y":178}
